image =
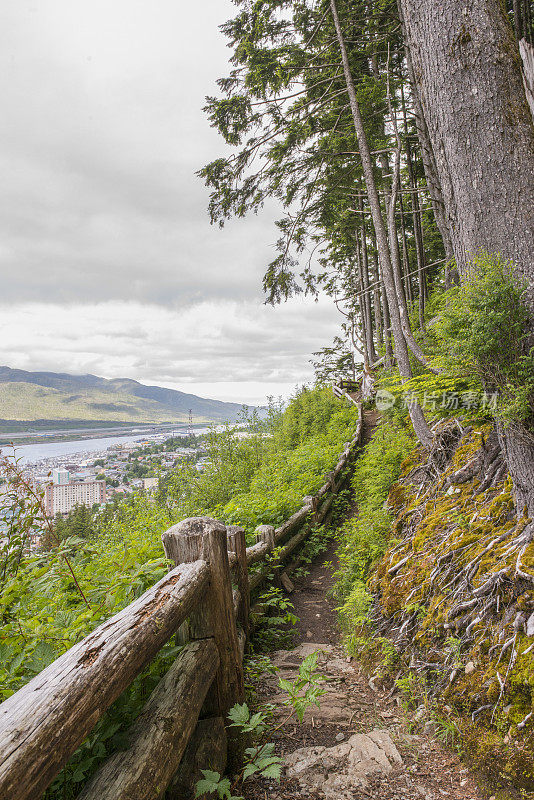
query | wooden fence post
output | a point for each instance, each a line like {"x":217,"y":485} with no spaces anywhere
{"x":237,"y":544}
{"x":205,"y":538}
{"x":331,"y":480}
{"x":311,"y":500}
{"x":265,"y":533}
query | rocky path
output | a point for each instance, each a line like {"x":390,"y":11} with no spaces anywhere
{"x":360,"y":743}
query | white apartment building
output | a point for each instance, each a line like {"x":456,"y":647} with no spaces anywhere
{"x":62,"y":497}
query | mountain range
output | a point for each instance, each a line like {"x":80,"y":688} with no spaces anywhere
{"x":57,"y":396}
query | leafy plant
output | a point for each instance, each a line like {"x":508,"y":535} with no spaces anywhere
{"x":316,"y":543}
{"x":365,"y":536}
{"x":478,"y":340}
{"x":212,"y":783}
{"x":306,"y":689}
{"x":260,"y":759}
{"x":276,"y":620}
{"x":413,"y":689}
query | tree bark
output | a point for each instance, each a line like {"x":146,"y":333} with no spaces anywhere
{"x":365,"y":291}
{"x":204,"y":537}
{"x":366,"y":334}
{"x":377,"y":301}
{"x":429,"y":160}
{"x":386,"y":321}
{"x":418,"y":235}
{"x":405,"y":258}
{"x":467,"y":71}
{"x":237,"y":544}
{"x":518,"y":19}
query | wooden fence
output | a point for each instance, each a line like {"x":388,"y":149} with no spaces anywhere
{"x":206,"y":600}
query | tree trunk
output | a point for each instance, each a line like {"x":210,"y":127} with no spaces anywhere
{"x":386,"y":320}
{"x":365,"y":289}
{"x":518,"y":19}
{"x":365,"y":337}
{"x":468,"y":74}
{"x":377,"y":301}
{"x":390,"y":201}
{"x":418,"y":235}
{"x":405,"y":258}
{"x":419,"y":422}
{"x":429,"y":160}
{"x":467,"y":71}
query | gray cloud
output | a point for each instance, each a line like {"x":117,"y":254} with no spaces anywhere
{"x":257,"y":349}
{"x":105,"y":132}
{"x":108,"y":260}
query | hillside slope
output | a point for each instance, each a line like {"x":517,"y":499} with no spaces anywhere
{"x":59,"y":396}
{"x":437,"y":581}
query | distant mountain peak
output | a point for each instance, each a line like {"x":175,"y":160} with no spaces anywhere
{"x":28,"y":395}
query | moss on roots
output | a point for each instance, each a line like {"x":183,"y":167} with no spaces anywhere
{"x":460,"y":567}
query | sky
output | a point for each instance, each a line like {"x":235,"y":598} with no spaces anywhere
{"x":109,"y":264}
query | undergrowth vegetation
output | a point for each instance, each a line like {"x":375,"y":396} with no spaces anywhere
{"x":366,"y":535}
{"x":477,"y":342}
{"x":436,"y":582}
{"x":436,"y":570}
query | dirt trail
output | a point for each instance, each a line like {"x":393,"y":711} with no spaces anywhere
{"x":410,"y":762}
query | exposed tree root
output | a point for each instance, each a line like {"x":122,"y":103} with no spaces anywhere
{"x":456,"y":592}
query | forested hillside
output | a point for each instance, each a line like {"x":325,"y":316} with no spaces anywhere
{"x":397,"y":141}
{"x":28,"y":396}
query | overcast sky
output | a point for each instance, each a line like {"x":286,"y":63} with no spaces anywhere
{"x":108,"y":260}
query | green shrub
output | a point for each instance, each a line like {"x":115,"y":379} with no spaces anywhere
{"x":308,"y":414}
{"x":479,"y":341}
{"x":365,"y":537}
{"x":483,"y":329}
{"x":287,"y":475}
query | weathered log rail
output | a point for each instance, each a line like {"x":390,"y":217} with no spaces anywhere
{"x":205,"y":600}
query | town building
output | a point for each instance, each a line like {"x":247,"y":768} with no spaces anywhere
{"x":60,"y":476}
{"x":60,"y":498}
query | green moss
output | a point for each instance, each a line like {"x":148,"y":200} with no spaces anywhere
{"x":457,"y":526}
{"x":527,"y":559}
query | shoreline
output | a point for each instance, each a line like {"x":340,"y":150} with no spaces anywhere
{"x":20,"y":438}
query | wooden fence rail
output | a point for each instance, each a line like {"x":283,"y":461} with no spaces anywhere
{"x":205,"y":599}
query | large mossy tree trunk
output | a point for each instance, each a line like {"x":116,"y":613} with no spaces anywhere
{"x":467,"y":72}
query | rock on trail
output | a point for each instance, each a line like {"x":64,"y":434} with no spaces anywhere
{"x":335,"y":772}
